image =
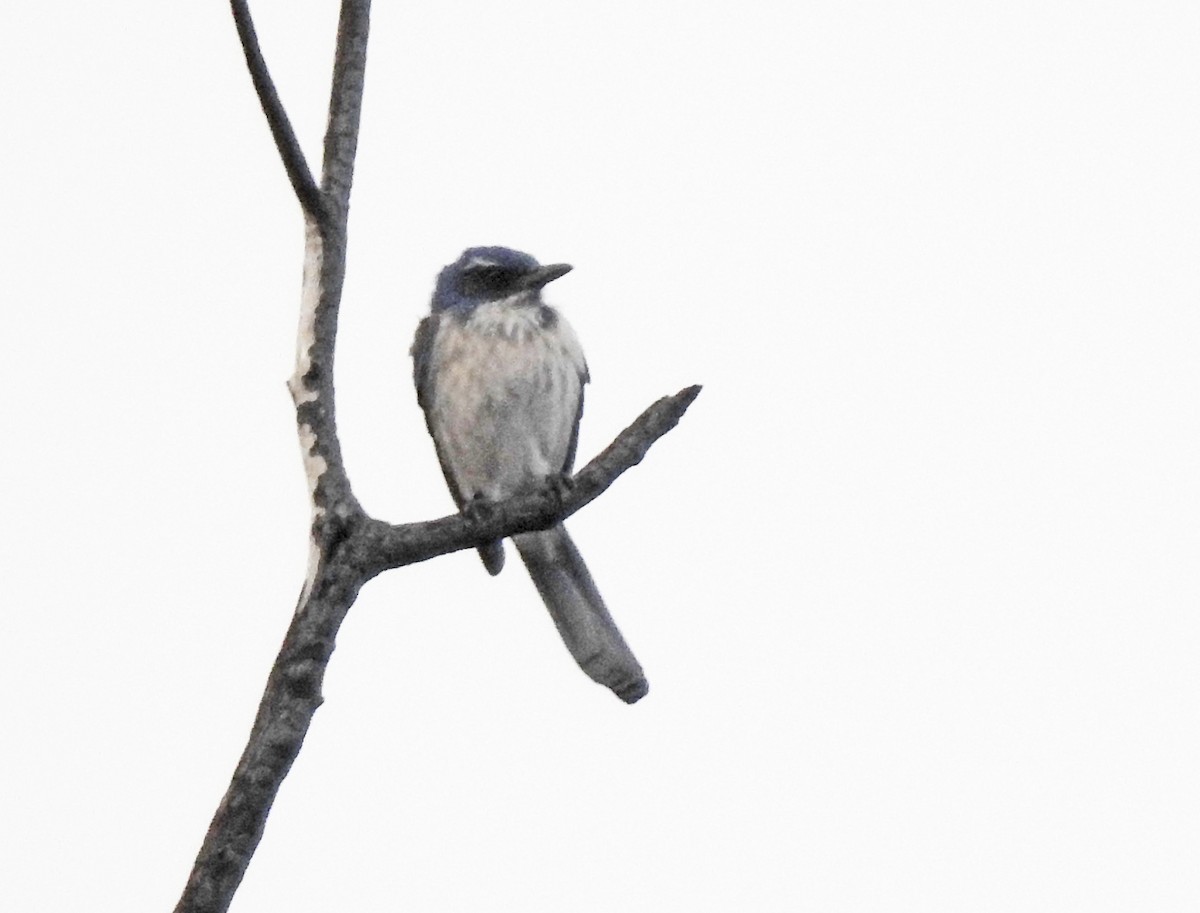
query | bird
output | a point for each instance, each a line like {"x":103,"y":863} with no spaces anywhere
{"x":500,"y":376}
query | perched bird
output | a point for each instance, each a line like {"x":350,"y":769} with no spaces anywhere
{"x":500,"y":377}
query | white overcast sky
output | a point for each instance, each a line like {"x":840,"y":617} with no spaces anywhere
{"x":915,"y":582}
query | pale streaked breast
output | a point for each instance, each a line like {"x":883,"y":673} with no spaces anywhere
{"x":508,"y":384}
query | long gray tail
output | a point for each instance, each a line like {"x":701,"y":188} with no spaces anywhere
{"x":578,"y":611}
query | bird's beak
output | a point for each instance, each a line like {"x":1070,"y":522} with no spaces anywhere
{"x":544,"y":274}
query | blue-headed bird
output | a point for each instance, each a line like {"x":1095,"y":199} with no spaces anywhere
{"x":500,"y":376}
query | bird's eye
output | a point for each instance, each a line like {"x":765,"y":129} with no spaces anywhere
{"x":485,"y":279}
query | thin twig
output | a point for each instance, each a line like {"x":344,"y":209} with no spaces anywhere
{"x":294,"y":162}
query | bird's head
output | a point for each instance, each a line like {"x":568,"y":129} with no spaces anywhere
{"x":485,"y":274}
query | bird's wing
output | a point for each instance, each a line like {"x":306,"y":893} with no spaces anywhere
{"x":423,"y":378}
{"x":422,"y":355}
{"x":569,"y":462}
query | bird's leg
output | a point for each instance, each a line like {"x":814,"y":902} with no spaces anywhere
{"x":479,"y":509}
{"x":559,"y":486}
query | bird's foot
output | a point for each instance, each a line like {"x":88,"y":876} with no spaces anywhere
{"x":559,"y":486}
{"x":479,"y":509}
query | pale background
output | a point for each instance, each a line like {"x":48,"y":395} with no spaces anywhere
{"x":915,"y":582}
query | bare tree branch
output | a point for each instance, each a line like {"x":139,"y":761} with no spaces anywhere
{"x":397,"y":546}
{"x":347,"y":546}
{"x":293,"y":690}
{"x":363,"y":548}
{"x":345,"y":101}
{"x":281,"y":128}
{"x":292,"y":696}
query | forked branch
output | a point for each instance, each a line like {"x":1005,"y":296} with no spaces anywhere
{"x":348,"y":547}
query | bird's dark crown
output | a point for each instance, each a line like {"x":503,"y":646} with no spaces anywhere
{"x":484,"y":274}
